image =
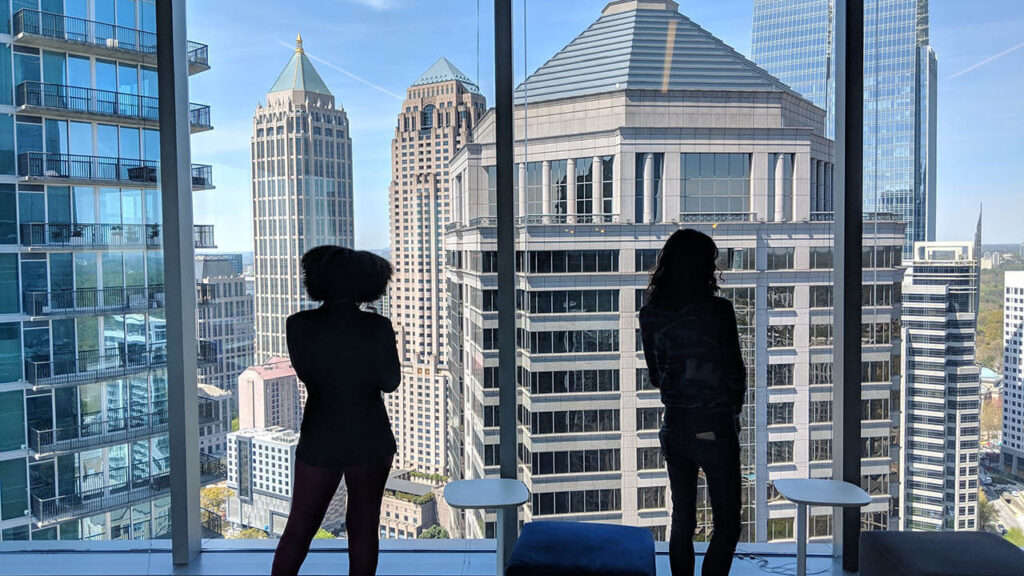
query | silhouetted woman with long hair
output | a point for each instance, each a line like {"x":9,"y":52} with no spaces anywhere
{"x":692,"y":350}
{"x":346,"y":358}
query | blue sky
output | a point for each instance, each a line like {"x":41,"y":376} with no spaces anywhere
{"x":369,"y":51}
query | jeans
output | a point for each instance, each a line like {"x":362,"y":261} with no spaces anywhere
{"x":312,"y":492}
{"x":686,"y":454}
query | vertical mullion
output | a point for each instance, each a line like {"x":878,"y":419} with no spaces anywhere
{"x":179,"y":274}
{"x":506,"y":262}
{"x":849,"y":228}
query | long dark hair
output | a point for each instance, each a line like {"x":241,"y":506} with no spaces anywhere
{"x":686,"y":267}
{"x":336,"y":273}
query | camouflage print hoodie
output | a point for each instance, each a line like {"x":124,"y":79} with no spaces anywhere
{"x":693,"y":354}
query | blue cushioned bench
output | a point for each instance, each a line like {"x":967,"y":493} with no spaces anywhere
{"x":582,"y":549}
{"x":885,"y":553}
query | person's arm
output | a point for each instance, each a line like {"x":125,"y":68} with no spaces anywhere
{"x":293,"y":333}
{"x":733,"y":369}
{"x":650,"y":351}
{"x":390,"y":368}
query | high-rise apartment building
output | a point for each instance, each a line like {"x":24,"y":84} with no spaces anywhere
{"x":270,"y":395}
{"x":214,"y":419}
{"x":620,"y":155}
{"x":941,"y":388}
{"x":260,"y":471}
{"x":83,"y":383}
{"x":439,"y":110}
{"x":1012,"y":452}
{"x":224,"y":318}
{"x":793,"y":40}
{"x":301,"y":192}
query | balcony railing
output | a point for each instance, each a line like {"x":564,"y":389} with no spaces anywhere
{"x":198,"y":57}
{"x":118,"y":428}
{"x":712,"y":217}
{"x":564,"y":219}
{"x":868,"y":217}
{"x":62,"y":168}
{"x":47,"y":28}
{"x":76,"y":101}
{"x":141,"y":482}
{"x":94,"y":301}
{"x":89,"y":236}
{"x":115,"y":430}
{"x":98,"y":365}
{"x":202,"y":177}
{"x":202,"y":235}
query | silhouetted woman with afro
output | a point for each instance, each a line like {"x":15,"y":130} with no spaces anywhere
{"x":693,"y":356}
{"x":346,"y":358}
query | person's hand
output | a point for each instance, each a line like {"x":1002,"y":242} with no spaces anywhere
{"x":737,"y":423}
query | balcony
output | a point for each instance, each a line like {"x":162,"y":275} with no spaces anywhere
{"x":57,"y":31}
{"x":118,"y":429}
{"x":99,"y":365}
{"x":141,"y":483}
{"x":97,"y":434}
{"x":868,"y":217}
{"x":198,"y":57}
{"x":77,"y":169}
{"x":114,"y":236}
{"x":93,"y":301}
{"x":77,"y":103}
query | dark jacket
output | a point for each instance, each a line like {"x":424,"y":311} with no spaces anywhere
{"x":693,"y":354}
{"x":346,"y":358}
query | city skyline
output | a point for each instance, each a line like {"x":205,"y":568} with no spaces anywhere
{"x":974,"y":148}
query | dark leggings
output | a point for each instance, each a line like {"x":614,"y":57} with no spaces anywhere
{"x":312,"y":491}
{"x":686,"y":455}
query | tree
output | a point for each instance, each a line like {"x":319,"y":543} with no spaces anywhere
{"x":1016,"y":537}
{"x":214,"y":498}
{"x":435,"y":532}
{"x":991,"y":418}
{"x":252,"y":534}
{"x":986,"y":512}
{"x":322,"y":534}
{"x":234,"y":424}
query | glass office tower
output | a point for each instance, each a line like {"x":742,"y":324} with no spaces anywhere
{"x":83,"y":383}
{"x":792,"y":39}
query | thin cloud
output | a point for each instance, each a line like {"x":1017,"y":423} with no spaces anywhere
{"x":375,"y":4}
{"x":333,"y":66}
{"x":987,"y":60}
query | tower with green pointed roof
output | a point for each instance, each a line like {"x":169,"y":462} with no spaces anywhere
{"x":441,"y":107}
{"x":301,"y":191}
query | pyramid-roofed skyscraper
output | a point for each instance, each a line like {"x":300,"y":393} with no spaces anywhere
{"x":301,"y":191}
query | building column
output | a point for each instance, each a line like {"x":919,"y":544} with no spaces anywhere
{"x":780,"y":188}
{"x":829,"y":188}
{"x":819,"y":189}
{"x":570,"y":190}
{"x":545,"y":190}
{"x":648,"y":188}
{"x":617,"y":209}
{"x":521,"y":192}
{"x":597,"y":186}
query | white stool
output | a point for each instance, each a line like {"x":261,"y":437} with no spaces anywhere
{"x":499,"y":494}
{"x":806,"y":492}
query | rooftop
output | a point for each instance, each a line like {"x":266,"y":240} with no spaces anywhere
{"x":272,"y":434}
{"x":398,"y":484}
{"x":210,"y":391}
{"x":644,"y":45}
{"x":444,"y":71}
{"x":299,"y":74}
{"x":276,"y":367}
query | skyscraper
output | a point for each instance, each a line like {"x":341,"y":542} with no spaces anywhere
{"x":84,"y":449}
{"x":301,"y":192}
{"x":270,"y":395}
{"x":439,"y":110}
{"x":620,"y":155}
{"x":941,"y":388}
{"x":1012,"y":452}
{"x":224,"y":318}
{"x":793,"y":39}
